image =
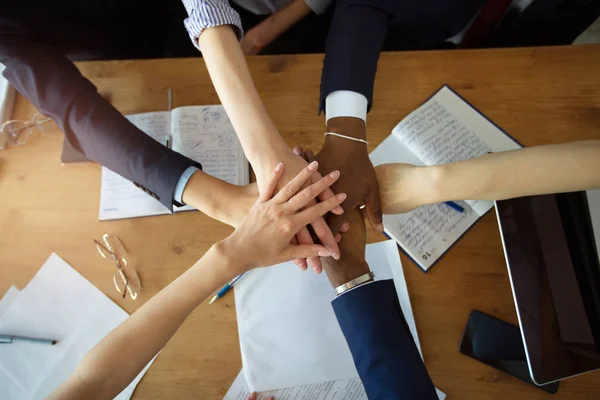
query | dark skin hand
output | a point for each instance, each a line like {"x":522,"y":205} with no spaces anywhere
{"x":352,"y":264}
{"x":357,"y":178}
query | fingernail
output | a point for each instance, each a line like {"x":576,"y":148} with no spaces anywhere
{"x":336,"y":256}
{"x":334,"y":174}
{"x":342,"y":196}
{"x":323,"y":253}
{"x":380,"y":227}
{"x":313,"y":166}
{"x":279,"y":166}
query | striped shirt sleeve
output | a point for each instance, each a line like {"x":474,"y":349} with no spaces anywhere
{"x":318,"y":6}
{"x":210,"y":13}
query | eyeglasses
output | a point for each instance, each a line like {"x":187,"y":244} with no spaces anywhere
{"x":125,"y":278}
{"x":16,"y":132}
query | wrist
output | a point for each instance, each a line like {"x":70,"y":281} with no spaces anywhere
{"x":340,"y":272}
{"x":228,"y":253}
{"x":348,"y":126}
{"x":433,"y":184}
{"x":267,"y":159}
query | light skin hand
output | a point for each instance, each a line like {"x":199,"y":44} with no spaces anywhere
{"x":224,"y":201}
{"x":358,"y":175}
{"x":272,"y":223}
{"x":294,"y":164}
{"x":403,"y":187}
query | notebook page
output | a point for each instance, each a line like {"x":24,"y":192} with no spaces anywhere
{"x":204,"y":134}
{"x":120,"y":198}
{"x":426,"y":232}
{"x":446,"y":129}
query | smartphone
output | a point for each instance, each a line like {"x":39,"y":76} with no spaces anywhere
{"x":499,"y":345}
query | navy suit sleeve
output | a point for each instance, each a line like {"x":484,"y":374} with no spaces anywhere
{"x":93,"y":126}
{"x":382,"y":346}
{"x":355,"y":39}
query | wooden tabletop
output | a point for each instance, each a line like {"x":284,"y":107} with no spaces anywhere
{"x":538,"y":95}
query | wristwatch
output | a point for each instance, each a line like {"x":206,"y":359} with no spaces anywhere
{"x":369,"y":276}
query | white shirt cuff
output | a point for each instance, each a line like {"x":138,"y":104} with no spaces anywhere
{"x":182,"y":183}
{"x":345,"y":103}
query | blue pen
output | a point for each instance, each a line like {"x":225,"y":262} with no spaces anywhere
{"x":455,"y":206}
{"x":226,"y":288}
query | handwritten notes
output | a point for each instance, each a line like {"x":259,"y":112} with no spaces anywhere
{"x":428,"y":231}
{"x":204,"y":134}
{"x":436,"y":136}
{"x":154,"y":124}
{"x":444,"y":129}
{"x":201,"y":133}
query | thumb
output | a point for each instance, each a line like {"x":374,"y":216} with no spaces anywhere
{"x":292,"y":252}
{"x":373,"y":208}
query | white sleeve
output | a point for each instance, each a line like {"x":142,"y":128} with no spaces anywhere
{"x":345,"y":103}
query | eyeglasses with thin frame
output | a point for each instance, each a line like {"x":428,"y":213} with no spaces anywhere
{"x":125,"y":278}
{"x":16,"y":132}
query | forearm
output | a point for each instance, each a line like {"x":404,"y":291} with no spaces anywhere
{"x":114,"y":362}
{"x":284,"y":19}
{"x":525,"y":172}
{"x":232,"y":80}
{"x":218,"y":199}
{"x":530,"y":171}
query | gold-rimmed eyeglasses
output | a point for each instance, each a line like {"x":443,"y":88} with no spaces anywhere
{"x":125,"y":278}
{"x":16,"y":132}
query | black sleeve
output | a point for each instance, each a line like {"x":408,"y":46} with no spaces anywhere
{"x":93,"y":126}
{"x":355,"y":39}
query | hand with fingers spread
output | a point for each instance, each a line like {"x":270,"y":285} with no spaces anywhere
{"x":358,"y":179}
{"x":293,"y":166}
{"x":263,"y":237}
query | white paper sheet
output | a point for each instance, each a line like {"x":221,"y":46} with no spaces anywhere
{"x":58,"y":304}
{"x":289,"y":335}
{"x":9,"y":297}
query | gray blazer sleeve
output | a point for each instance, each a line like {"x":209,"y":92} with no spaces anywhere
{"x":93,"y":126}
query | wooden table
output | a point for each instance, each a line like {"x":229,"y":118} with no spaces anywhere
{"x":538,"y":95}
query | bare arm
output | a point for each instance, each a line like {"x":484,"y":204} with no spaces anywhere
{"x":117,"y":359}
{"x":262,"y":239}
{"x":260,"y":139}
{"x":231,"y":77}
{"x":530,"y":171}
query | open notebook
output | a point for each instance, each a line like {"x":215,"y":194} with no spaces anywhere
{"x":202,"y":133}
{"x":444,"y":129}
